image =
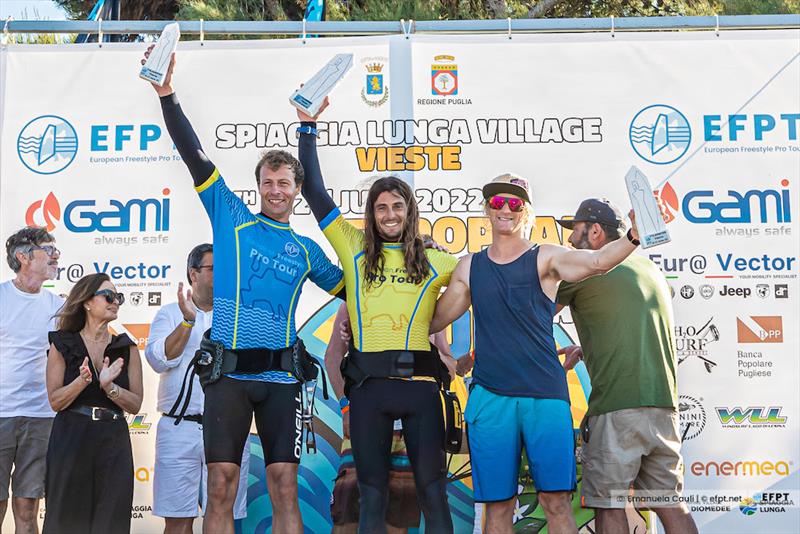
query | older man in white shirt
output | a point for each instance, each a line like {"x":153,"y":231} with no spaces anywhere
{"x":27,"y":313}
{"x":180,"y":476}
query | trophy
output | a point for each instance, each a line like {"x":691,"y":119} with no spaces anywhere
{"x":309,"y":98}
{"x":155,"y":68}
{"x":649,"y":222}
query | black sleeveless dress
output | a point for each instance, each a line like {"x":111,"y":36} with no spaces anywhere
{"x":89,"y":482}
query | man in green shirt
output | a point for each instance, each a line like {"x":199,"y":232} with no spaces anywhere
{"x":625,"y":325}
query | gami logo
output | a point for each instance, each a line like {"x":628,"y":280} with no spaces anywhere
{"x":51,"y":212}
{"x":81,"y":216}
{"x":47,"y":144}
{"x":660,"y":134}
{"x":700,"y":207}
{"x":760,"y":329}
{"x":668,"y":202}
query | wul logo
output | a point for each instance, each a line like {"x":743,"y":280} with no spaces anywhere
{"x":660,"y":134}
{"x":47,"y":144}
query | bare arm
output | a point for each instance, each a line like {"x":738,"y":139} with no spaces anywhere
{"x":573,"y":265}
{"x":445,"y":354}
{"x":178,"y":338}
{"x":62,"y":396}
{"x":129,"y":399}
{"x":337,"y":348}
{"x":456,"y":299}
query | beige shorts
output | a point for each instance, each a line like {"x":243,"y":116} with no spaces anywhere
{"x":635,"y":448}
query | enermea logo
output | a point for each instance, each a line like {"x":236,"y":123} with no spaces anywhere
{"x":741,"y":468}
{"x":81,"y":216}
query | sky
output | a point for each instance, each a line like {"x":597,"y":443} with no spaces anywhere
{"x":31,"y":10}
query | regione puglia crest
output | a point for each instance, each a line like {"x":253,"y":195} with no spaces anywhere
{"x":375,"y":91}
{"x":444,"y":76}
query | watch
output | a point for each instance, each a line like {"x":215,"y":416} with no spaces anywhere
{"x":113,"y":393}
{"x":629,"y":235}
{"x":306,"y":130}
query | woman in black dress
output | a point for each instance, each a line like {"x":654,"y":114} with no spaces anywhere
{"x":92,"y":379}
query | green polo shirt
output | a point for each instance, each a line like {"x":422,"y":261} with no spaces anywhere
{"x":626,"y":329}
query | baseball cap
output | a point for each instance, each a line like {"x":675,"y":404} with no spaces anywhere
{"x":510,"y":184}
{"x":595,"y":210}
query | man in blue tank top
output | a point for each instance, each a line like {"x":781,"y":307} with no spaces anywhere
{"x":519,"y":394}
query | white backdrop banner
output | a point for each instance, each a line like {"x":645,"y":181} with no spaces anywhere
{"x":712,"y":120}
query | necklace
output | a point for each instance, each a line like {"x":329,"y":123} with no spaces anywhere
{"x":95,"y":341}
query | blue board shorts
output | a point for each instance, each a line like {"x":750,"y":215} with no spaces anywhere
{"x":497,"y":428}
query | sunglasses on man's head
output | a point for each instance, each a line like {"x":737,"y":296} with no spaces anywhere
{"x":111,"y":296}
{"x":50,"y":250}
{"x":514,"y":204}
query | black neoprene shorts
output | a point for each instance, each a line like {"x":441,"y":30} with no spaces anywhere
{"x":228,"y":412}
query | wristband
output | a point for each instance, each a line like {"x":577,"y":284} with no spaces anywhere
{"x":188,"y":324}
{"x":629,"y":235}
{"x":344,"y":402}
{"x":346,"y":409}
{"x":306,"y":130}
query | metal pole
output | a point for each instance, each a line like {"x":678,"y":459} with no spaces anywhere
{"x":292,"y":28}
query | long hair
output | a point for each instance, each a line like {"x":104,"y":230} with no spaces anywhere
{"x":72,"y":316}
{"x":416,"y":262}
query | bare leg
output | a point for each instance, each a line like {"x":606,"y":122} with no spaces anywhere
{"x":557,"y":507}
{"x":282,"y":484}
{"x":611,"y":521}
{"x":676,"y":520}
{"x":3,"y":508}
{"x":178,"y":525}
{"x":25,"y":515}
{"x":499,"y":516}
{"x":223,"y":479}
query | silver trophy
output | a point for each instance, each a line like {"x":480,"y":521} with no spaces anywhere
{"x":156,"y":67}
{"x":310,"y":97}
{"x":649,"y":221}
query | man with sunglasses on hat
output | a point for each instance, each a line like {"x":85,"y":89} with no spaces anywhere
{"x":630,"y":430}
{"x":26,"y":316}
{"x":180,"y":475}
{"x":519,"y":390}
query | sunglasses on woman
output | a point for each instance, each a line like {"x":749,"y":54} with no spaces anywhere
{"x":111,"y":296}
{"x":514,"y":204}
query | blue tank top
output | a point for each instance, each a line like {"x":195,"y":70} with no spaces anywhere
{"x":515,"y":352}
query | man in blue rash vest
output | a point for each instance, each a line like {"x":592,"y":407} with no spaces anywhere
{"x":260,"y":265}
{"x":519,"y":390}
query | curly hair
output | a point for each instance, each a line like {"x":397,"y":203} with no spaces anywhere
{"x":416,"y":262}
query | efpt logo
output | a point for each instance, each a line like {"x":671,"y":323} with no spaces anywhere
{"x":660,"y":134}
{"x":47,"y":144}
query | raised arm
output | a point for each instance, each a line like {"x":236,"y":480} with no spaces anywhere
{"x":573,"y":265}
{"x":456,"y":299}
{"x":313,"y":190}
{"x":180,"y":130}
